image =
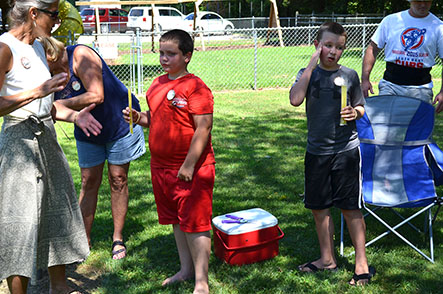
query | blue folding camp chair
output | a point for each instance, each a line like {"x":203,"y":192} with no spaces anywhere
{"x":401,"y":165}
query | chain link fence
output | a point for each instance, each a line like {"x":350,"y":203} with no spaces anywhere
{"x":239,"y":59}
{"x":305,"y":20}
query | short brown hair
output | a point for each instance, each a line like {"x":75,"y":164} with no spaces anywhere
{"x":182,"y":38}
{"x":331,"y":27}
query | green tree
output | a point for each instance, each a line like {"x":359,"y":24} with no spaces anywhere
{"x":288,"y":8}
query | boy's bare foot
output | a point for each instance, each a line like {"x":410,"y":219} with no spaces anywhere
{"x":201,"y":289}
{"x":178,"y":277}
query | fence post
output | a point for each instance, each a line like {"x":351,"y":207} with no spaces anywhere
{"x":310,"y":23}
{"x":255,"y":53}
{"x":70,"y":40}
{"x":132,"y":63}
{"x":139,"y":63}
{"x":296,"y":18}
{"x":363,"y":39}
{"x":239,"y":9}
{"x":261,"y":8}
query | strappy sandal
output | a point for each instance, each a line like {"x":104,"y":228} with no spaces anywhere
{"x":116,"y":252}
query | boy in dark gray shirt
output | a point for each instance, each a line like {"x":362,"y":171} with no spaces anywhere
{"x":332,"y":162}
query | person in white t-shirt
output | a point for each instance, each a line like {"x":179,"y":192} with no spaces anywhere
{"x":412,"y":39}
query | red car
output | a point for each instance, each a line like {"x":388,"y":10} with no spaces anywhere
{"x":111,"y":20}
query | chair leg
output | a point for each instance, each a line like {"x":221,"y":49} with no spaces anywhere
{"x":393,"y":230}
{"x":439,"y":203}
{"x":427,"y":209}
{"x":408,"y":223}
{"x":431,"y":236}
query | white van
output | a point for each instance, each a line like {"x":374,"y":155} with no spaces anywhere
{"x":166,"y":18}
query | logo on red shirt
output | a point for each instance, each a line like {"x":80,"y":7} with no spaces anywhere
{"x":179,"y":102}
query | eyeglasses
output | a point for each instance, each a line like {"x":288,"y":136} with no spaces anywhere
{"x":52,"y":14}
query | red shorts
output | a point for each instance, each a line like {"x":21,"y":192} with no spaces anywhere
{"x":188,"y":204}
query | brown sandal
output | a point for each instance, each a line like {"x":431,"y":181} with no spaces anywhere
{"x":115,"y":252}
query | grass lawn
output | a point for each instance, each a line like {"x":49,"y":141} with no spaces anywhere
{"x":259,"y":141}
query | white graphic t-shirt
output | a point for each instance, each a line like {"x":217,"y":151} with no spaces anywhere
{"x":410,"y":41}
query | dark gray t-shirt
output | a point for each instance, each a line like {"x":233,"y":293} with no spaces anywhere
{"x":323,"y":105}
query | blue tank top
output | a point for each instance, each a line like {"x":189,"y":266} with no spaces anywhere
{"x":109,"y":113}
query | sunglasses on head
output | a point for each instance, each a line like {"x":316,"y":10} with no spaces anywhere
{"x":52,"y":14}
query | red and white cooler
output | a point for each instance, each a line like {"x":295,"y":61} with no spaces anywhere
{"x":246,"y":236}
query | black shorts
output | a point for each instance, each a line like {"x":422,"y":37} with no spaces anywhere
{"x":333,"y":180}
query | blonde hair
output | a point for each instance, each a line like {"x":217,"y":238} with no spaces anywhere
{"x":54,"y":48}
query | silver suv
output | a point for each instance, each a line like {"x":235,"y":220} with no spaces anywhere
{"x":165,"y":18}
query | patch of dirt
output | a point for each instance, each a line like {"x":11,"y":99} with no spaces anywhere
{"x":80,"y":277}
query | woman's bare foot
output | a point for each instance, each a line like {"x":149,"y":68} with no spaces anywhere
{"x":178,"y":277}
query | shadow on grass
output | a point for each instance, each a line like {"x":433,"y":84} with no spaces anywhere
{"x":259,"y":146}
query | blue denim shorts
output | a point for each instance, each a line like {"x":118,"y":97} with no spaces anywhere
{"x":117,"y":152}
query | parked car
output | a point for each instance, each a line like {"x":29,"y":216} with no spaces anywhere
{"x":165,"y":18}
{"x":111,"y":20}
{"x":208,"y":21}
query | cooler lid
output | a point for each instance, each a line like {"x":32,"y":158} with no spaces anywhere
{"x":244,"y":221}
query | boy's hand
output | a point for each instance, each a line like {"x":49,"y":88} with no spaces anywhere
{"x":316,"y":56}
{"x":185,"y":173}
{"x":349,"y":113}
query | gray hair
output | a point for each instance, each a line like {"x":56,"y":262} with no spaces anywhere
{"x":20,"y":8}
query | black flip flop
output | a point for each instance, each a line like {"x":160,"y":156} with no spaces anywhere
{"x":366,"y":276}
{"x":314,"y":268}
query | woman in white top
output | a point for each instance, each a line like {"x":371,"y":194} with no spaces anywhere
{"x":40,"y":221}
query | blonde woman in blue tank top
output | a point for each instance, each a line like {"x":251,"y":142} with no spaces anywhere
{"x":92,"y":81}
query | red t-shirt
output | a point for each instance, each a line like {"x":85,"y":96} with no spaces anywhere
{"x":172,"y":104}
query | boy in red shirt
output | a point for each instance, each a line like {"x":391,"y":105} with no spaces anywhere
{"x":182,"y":158}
